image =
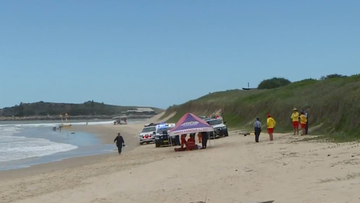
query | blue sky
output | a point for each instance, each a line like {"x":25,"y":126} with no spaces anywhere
{"x":160,"y":53}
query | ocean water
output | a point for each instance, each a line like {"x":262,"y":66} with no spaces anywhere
{"x":23,"y":144}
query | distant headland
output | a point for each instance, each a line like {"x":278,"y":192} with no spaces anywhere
{"x":87,"y":110}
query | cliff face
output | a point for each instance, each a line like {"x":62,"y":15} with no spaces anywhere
{"x":55,"y":109}
{"x":333,"y":105}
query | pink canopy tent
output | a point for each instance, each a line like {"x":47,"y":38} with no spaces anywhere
{"x":190,"y":123}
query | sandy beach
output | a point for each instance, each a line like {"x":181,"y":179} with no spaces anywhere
{"x":232,"y":170}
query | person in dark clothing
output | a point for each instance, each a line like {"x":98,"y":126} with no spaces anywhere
{"x":204,"y":138}
{"x":307,"y":122}
{"x":119,"y":142}
{"x":257,"y":129}
{"x":177,"y":140}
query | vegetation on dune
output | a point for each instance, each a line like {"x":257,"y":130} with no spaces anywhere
{"x":273,"y":83}
{"x":54,"y":109}
{"x":333,"y":105}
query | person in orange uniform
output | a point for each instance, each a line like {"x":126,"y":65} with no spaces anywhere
{"x":190,"y":144}
{"x":295,"y":121}
{"x":199,"y":137}
{"x":270,"y":126}
{"x":191,"y":138}
{"x":183,"y":140}
{"x":303,"y":121}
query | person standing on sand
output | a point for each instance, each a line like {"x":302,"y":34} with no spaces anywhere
{"x":270,"y":126}
{"x":199,"y":137}
{"x":204,"y":139}
{"x":119,"y":142}
{"x":183,"y":141}
{"x":295,"y":121}
{"x":257,"y":129}
{"x":307,"y":122}
{"x":303,"y":121}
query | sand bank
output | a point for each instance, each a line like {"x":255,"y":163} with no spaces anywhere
{"x":235,"y":169}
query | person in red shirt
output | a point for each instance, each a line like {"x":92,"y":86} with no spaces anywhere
{"x":190,"y":144}
{"x":191,"y":138}
{"x":183,"y":140}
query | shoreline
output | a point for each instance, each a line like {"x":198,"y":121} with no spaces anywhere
{"x":53,"y":166}
{"x":106,"y":133}
{"x":52,"y":118}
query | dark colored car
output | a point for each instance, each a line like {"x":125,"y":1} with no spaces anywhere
{"x":164,"y":139}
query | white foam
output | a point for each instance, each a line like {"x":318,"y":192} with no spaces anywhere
{"x":55,"y":124}
{"x":18,"y":147}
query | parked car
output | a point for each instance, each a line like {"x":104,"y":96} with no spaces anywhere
{"x":162,"y":137}
{"x":203,"y":117}
{"x":120,"y":120}
{"x":147,"y":135}
{"x":220,"y":129}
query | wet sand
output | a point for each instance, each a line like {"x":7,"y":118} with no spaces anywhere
{"x":106,"y":133}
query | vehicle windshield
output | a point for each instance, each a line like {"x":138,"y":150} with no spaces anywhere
{"x":215,"y":122}
{"x":148,"y":129}
{"x":160,"y":130}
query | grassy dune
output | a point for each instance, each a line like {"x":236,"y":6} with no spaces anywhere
{"x":333,"y":106}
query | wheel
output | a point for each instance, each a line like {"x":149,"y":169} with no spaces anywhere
{"x":141,"y":143}
{"x":157,"y":144}
{"x":226,"y":133}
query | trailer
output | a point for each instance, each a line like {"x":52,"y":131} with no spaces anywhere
{"x":120,"y":120}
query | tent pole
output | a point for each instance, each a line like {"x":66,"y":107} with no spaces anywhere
{"x":170,"y":137}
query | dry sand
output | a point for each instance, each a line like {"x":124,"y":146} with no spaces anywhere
{"x":234,"y":170}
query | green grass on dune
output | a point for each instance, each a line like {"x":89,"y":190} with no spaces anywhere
{"x":334,"y":103}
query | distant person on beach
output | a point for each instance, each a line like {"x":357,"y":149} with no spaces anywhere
{"x":257,"y":129}
{"x":303,"y":121}
{"x":204,"y":139}
{"x":191,"y":138}
{"x":307,"y":122}
{"x":183,"y":141}
{"x":295,"y":121}
{"x":190,"y":144}
{"x":119,"y":142}
{"x":270,"y":126}
{"x":199,"y":137}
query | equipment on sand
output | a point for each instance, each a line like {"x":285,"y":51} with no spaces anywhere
{"x":65,"y":125}
{"x":246,"y":133}
{"x":120,"y":120}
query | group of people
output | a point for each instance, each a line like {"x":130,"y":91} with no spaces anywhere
{"x":271,"y":123}
{"x":190,"y":143}
{"x":302,"y":117}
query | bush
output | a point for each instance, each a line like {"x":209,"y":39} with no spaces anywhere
{"x":273,"y":83}
{"x":331,"y":76}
